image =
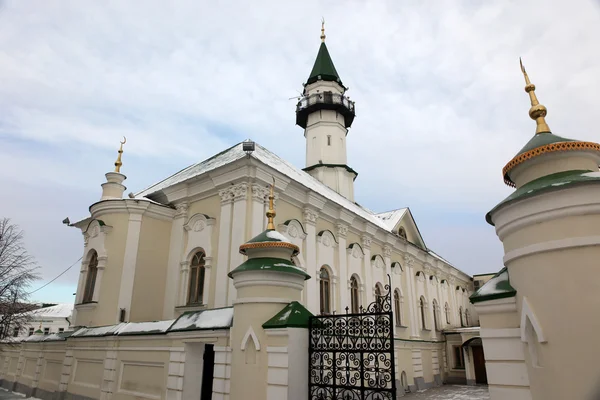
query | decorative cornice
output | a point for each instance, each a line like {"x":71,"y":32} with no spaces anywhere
{"x":263,"y":245}
{"x":240,"y":191}
{"x":226,"y":195}
{"x":409,"y":260}
{"x":259,"y":193}
{"x":549,"y":148}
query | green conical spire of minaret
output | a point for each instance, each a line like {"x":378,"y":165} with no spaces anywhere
{"x":323,"y":68}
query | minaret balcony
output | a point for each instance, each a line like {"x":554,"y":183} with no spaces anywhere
{"x":324,"y":101}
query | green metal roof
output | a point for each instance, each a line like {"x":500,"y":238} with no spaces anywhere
{"x":294,"y":315}
{"x":269,"y":264}
{"x":547,"y":183}
{"x":542,"y":139}
{"x":498,"y":287}
{"x":323,"y":68}
{"x":270,"y":235}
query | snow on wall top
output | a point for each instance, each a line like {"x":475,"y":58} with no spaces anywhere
{"x":207,"y":319}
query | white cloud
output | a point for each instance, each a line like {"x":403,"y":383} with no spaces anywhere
{"x":439,"y":94}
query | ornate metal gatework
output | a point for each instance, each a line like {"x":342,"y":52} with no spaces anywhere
{"x":351,"y":356}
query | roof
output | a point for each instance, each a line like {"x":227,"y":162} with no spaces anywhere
{"x":544,"y":143}
{"x":275,"y":162}
{"x":323,"y":68}
{"x":294,"y":315}
{"x":269,"y":236}
{"x":57,"y":311}
{"x":269,"y":264}
{"x":391,"y":218}
{"x":496,"y":288}
{"x":548,"y":183}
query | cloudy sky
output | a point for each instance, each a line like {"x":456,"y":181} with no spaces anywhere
{"x":438,"y":90}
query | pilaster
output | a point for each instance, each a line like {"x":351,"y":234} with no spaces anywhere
{"x":222,"y":282}
{"x":412,"y":298}
{"x":109,"y":377}
{"x":342,"y":231}
{"x":238,"y":233}
{"x":259,"y":196}
{"x":222,"y":374}
{"x":175,"y":248}
{"x":175,"y":377}
{"x":312,"y":292}
{"x":367,"y":270}
{"x":129,"y":264}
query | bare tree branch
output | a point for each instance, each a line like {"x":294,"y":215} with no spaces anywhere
{"x":17,"y":271}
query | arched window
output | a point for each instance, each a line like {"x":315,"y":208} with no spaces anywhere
{"x":197,"y":270}
{"x":404,"y":382}
{"x":402,"y":233}
{"x":379,"y":296}
{"x":354,"y":299}
{"x":398,"y":307}
{"x":467,"y":317}
{"x":325,"y":290}
{"x":90,"y":281}
{"x":423,"y":306}
{"x":447,"y":312}
{"x":435,"y":315}
{"x":460,"y":314}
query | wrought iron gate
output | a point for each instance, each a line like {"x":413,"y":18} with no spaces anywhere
{"x":351,"y":356}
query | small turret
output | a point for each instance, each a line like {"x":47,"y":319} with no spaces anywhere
{"x":113,"y":187}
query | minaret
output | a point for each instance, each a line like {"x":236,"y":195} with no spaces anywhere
{"x":113,"y":187}
{"x":326,"y":113}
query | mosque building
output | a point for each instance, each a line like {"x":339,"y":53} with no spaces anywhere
{"x":195,"y":277}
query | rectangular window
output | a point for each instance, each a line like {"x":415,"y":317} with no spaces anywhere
{"x":459,"y":362}
{"x":328,"y":140}
{"x":30,"y":331}
{"x":46,"y":331}
{"x":15,"y":332}
{"x":60,"y":330}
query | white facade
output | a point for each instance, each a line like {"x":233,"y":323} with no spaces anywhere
{"x":49,"y":320}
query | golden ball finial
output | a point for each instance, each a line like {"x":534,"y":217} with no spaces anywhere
{"x":537,"y":112}
{"x":323,"y":30}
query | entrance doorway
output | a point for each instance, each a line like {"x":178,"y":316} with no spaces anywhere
{"x":208,"y":367}
{"x":479,"y":365}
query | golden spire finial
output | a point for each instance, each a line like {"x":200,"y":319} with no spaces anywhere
{"x":271,"y":212}
{"x":323,"y":30}
{"x":118,"y":163}
{"x":537,"y":112}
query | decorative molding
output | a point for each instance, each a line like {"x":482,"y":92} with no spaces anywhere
{"x":551,"y":245}
{"x":366,"y":241}
{"x":250,"y":334}
{"x":181,"y":209}
{"x":327,"y":239}
{"x":198,"y":222}
{"x":409,"y":260}
{"x":259,"y":193}
{"x":508,"y":304}
{"x":342,"y":230}
{"x":377,"y":262}
{"x":226,"y":195}
{"x":387,"y":251}
{"x":240,"y":191}
{"x":310,"y":216}
{"x":528,"y":314}
{"x":355,"y":251}
{"x":293,"y":229}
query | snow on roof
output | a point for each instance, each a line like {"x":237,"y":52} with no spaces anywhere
{"x":98,"y":331}
{"x":64,"y":310}
{"x":386,"y":220}
{"x":205,"y":319}
{"x":391,"y":218}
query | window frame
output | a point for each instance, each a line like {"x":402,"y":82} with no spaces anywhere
{"x":354,"y":295}
{"x":90,"y":279}
{"x":459,"y":357}
{"x":324,"y":291}
{"x":197,"y":277}
{"x":398,"y":306}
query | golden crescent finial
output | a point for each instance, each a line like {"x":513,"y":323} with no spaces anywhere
{"x":118,"y":163}
{"x":323,"y":30}
{"x":537,"y":112}
{"x":271,"y":212}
